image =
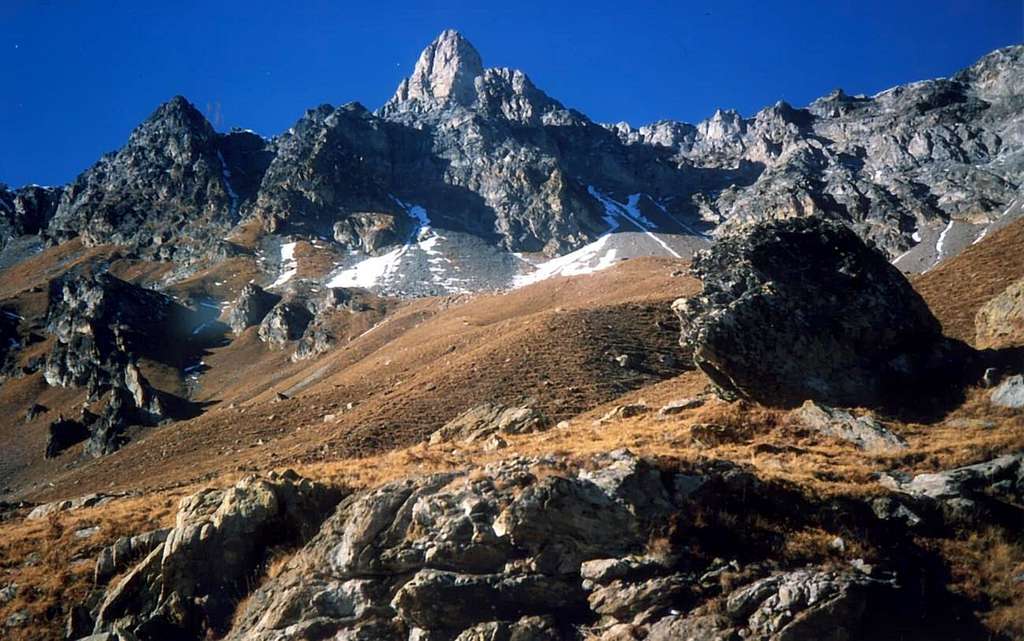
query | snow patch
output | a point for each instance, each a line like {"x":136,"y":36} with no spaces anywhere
{"x":289,"y":266}
{"x":941,"y":241}
{"x":226,"y":173}
{"x":585,"y":260}
{"x":631,"y":213}
{"x":423,"y":242}
{"x":597,"y":256}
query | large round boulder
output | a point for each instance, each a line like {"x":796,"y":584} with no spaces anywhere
{"x":800,"y":309}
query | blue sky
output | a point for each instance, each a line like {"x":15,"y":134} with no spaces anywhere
{"x":76,"y":77}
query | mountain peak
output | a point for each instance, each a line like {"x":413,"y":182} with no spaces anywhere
{"x":444,"y":72}
{"x":178,"y":114}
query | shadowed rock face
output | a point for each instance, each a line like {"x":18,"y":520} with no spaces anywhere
{"x":802,"y":309}
{"x":26,"y":211}
{"x":101,"y":326}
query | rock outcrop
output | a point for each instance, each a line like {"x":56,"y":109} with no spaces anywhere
{"x":251,"y":307}
{"x":478,"y":423}
{"x":1000,"y":322}
{"x":169,"y":192}
{"x":1009,"y":393}
{"x":527,"y":549}
{"x":802,"y":309}
{"x":101,"y":327}
{"x":969,"y":494}
{"x":287,"y":321}
{"x":188,"y":585}
{"x":864,"y":432}
{"x":26,"y":211}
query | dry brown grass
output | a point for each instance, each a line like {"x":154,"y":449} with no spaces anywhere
{"x":957,"y":288}
{"x":988,"y":568}
{"x":53,"y":567}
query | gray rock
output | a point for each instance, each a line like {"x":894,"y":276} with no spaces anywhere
{"x":964,"y":481}
{"x":708,"y":627}
{"x":26,"y":211}
{"x":680,"y":405}
{"x":251,"y":307}
{"x":767,"y":328}
{"x":487,"y":419}
{"x":169,"y":192}
{"x":640,"y":601}
{"x":863,"y":431}
{"x":804,"y":604}
{"x":1009,"y":393}
{"x":8,"y":592}
{"x":315,"y":340}
{"x":18,"y":619}
{"x":628,"y":410}
{"x":191,"y":582}
{"x":436,"y":599}
{"x":525,"y":629}
{"x":287,"y":321}
{"x":78,"y":503}
{"x":115,"y":558}
{"x":86,"y":532}
{"x":1000,"y":322}
{"x":101,"y":325}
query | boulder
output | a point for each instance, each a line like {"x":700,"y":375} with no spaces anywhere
{"x":525,"y":629}
{"x":680,"y":405}
{"x":115,"y":558}
{"x":1000,"y":322}
{"x":804,"y":604}
{"x":78,"y":503}
{"x":285,"y":322}
{"x":368,"y":231}
{"x":800,"y":309}
{"x":486,"y":419}
{"x":251,"y":307}
{"x":1009,"y":393}
{"x":969,"y":493}
{"x":315,"y":340}
{"x":628,"y":410}
{"x":863,"y":431}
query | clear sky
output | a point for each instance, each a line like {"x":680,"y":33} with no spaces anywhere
{"x":77,"y":76}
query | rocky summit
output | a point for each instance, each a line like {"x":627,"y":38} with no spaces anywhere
{"x":472,"y":178}
{"x":473,"y":367}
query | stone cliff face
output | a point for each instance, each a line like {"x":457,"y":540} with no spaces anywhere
{"x":170,"y":190}
{"x":892,"y":166}
{"x":921,"y":170}
{"x":26,"y":211}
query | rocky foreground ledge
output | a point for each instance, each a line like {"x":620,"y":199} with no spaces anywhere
{"x":613,"y":547}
